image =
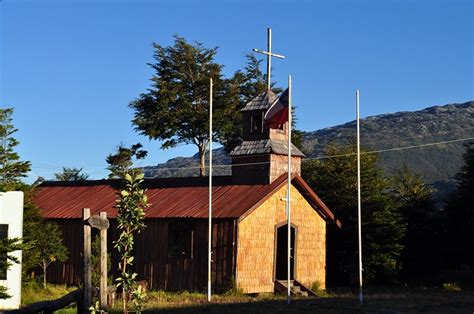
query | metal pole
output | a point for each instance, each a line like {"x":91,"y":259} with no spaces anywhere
{"x":288,"y":193}
{"x":361,"y":296}
{"x":87,"y":281}
{"x":269,"y":57}
{"x":210,"y":197}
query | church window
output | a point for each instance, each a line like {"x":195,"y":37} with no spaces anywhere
{"x":180,"y":239}
{"x":256,"y":123}
{"x":3,"y":258}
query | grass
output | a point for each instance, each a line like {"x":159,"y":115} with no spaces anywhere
{"x":380,"y":300}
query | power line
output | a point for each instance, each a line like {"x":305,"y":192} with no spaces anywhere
{"x":394,"y":149}
{"x":394,"y":140}
{"x":309,"y":158}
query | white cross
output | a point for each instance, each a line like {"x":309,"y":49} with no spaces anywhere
{"x":269,"y":55}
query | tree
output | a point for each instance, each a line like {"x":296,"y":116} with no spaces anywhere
{"x":71,"y":174}
{"x":420,"y":256}
{"x":130,"y":205}
{"x":121,"y":162}
{"x":48,"y":247}
{"x":11,"y":168}
{"x":175,"y":109}
{"x":334,"y":179}
{"x":459,"y":217}
{"x":8,"y":246}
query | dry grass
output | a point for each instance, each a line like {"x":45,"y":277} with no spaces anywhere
{"x":376,"y":301}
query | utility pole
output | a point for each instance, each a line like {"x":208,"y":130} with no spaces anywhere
{"x":361,"y":295}
{"x":209,"y":253}
{"x":288,"y":194}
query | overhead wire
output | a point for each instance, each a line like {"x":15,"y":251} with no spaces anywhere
{"x":158,"y":169}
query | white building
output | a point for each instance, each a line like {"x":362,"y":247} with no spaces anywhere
{"x":11,"y":226}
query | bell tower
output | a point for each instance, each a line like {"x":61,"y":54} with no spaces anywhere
{"x":263,"y":155}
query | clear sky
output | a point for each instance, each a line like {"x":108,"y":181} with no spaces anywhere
{"x":70,"y":68}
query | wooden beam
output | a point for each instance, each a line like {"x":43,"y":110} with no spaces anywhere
{"x":103,"y":263}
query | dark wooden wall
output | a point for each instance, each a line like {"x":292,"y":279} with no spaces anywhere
{"x":152,"y":260}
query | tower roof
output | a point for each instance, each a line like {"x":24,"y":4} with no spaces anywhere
{"x":262,"y":102}
{"x":266,"y":146}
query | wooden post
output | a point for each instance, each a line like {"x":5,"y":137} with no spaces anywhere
{"x":103,"y":264}
{"x":87,"y":280}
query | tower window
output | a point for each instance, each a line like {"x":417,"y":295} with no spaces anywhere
{"x":256,"y":123}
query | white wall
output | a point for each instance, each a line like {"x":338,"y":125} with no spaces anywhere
{"x":11,"y":213}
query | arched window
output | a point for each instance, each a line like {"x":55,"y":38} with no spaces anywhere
{"x":180,"y":239}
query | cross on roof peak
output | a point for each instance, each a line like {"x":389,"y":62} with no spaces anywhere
{"x":269,"y":55}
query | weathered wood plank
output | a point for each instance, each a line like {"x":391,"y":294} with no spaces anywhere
{"x":103,"y":262}
{"x":87,"y":262}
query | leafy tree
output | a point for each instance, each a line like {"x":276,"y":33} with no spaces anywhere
{"x":11,"y":168}
{"x":175,"y":109}
{"x":334,"y":179}
{"x":71,"y":174}
{"x":121,"y":162}
{"x":48,"y":247}
{"x":420,"y":257}
{"x":130,"y":205}
{"x":8,"y":246}
{"x":459,"y":217}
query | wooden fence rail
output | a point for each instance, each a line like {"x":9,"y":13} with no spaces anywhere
{"x":48,"y":307}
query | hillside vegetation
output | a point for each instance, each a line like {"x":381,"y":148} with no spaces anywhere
{"x":437,"y":163}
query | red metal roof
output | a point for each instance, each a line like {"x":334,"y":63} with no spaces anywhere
{"x":168,"y":198}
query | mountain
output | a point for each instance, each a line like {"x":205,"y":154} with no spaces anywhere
{"x":438,"y":163}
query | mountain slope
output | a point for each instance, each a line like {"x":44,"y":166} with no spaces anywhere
{"x":437,"y":164}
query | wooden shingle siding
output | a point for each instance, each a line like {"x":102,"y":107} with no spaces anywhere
{"x":265,"y":146}
{"x":256,"y":245}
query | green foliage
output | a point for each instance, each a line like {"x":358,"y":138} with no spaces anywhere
{"x":121,"y":162}
{"x":138,"y":298}
{"x":71,"y":174}
{"x":130,"y":205}
{"x":335,"y":181}
{"x":11,"y":168}
{"x":8,"y":246}
{"x":47,"y":246}
{"x":420,"y":257}
{"x":176,"y":108}
{"x":93,"y":309}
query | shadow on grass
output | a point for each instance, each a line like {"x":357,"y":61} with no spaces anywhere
{"x":428,"y":302}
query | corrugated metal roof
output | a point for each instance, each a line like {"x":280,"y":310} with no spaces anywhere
{"x":169,"y":198}
{"x":261,"y":102}
{"x":266,"y":146}
{"x":183,"y":197}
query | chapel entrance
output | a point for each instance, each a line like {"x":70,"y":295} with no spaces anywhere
{"x":281,"y":262}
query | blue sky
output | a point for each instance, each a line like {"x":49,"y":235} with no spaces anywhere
{"x":70,"y":68}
